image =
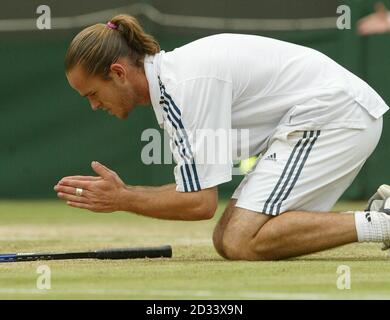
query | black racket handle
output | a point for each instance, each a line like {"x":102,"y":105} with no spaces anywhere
{"x":133,"y":253}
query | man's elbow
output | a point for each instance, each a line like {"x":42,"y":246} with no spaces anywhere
{"x":208,"y":204}
{"x":206,"y":213}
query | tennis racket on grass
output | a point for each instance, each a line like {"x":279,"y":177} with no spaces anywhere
{"x":115,"y":253}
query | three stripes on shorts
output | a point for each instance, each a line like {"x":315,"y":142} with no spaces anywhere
{"x":291,"y":172}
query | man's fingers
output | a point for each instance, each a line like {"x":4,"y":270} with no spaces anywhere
{"x":83,"y":178}
{"x":69,"y":190}
{"x":64,"y":189}
{"x":101,"y":170}
{"x":72,"y":198}
{"x":79,"y":205}
{"x":108,"y":169}
{"x":75,"y":184}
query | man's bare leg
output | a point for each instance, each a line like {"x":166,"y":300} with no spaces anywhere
{"x":221,"y":225}
{"x":297,"y":233}
{"x":249,"y":235}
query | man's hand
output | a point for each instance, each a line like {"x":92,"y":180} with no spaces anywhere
{"x":377,"y":22}
{"x":100,"y":194}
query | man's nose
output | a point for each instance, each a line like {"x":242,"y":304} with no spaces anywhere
{"x":94,"y":104}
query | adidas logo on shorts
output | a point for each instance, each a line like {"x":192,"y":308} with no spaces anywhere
{"x":271,"y":157}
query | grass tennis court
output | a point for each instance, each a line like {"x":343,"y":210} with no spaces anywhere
{"x":194,"y":272}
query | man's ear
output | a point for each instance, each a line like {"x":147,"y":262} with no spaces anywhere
{"x":118,"y":70}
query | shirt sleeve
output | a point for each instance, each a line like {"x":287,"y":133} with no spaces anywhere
{"x":198,"y":120}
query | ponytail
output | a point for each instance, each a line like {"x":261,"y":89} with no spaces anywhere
{"x":135,"y":36}
{"x":97,"y":47}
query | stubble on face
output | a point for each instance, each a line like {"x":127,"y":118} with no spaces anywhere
{"x":125,"y":101}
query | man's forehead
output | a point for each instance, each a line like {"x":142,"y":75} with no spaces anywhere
{"x":79,"y":80}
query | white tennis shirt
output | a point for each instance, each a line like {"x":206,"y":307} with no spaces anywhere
{"x":251,"y":83}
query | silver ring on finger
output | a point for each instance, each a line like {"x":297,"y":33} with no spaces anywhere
{"x":79,"y":192}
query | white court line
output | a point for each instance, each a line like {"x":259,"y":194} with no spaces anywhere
{"x":174,"y":20}
{"x":204,"y":294}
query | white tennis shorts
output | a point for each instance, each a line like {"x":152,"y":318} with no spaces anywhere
{"x":307,"y":170}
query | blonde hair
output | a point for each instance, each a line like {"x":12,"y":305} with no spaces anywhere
{"x":95,"y":48}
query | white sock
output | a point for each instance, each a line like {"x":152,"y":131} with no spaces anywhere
{"x":372,"y":226}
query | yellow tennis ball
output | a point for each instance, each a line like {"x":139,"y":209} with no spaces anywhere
{"x":247,"y":164}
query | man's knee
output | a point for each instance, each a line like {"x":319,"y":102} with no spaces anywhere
{"x":221,"y":226}
{"x":217,"y":241}
{"x":242,"y":243}
{"x":231,"y":248}
{"x":235,"y":239}
{"x":235,"y":247}
{"x":226,"y":245}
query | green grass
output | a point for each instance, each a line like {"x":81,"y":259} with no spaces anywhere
{"x":194,"y":272}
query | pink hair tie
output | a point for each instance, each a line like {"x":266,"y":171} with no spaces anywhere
{"x":112,"y":25}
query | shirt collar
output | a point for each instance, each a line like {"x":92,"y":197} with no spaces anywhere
{"x":152,"y":72}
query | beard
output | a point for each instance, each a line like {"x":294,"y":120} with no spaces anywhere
{"x":126,"y":104}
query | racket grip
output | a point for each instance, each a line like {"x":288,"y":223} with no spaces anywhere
{"x":134,"y":253}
